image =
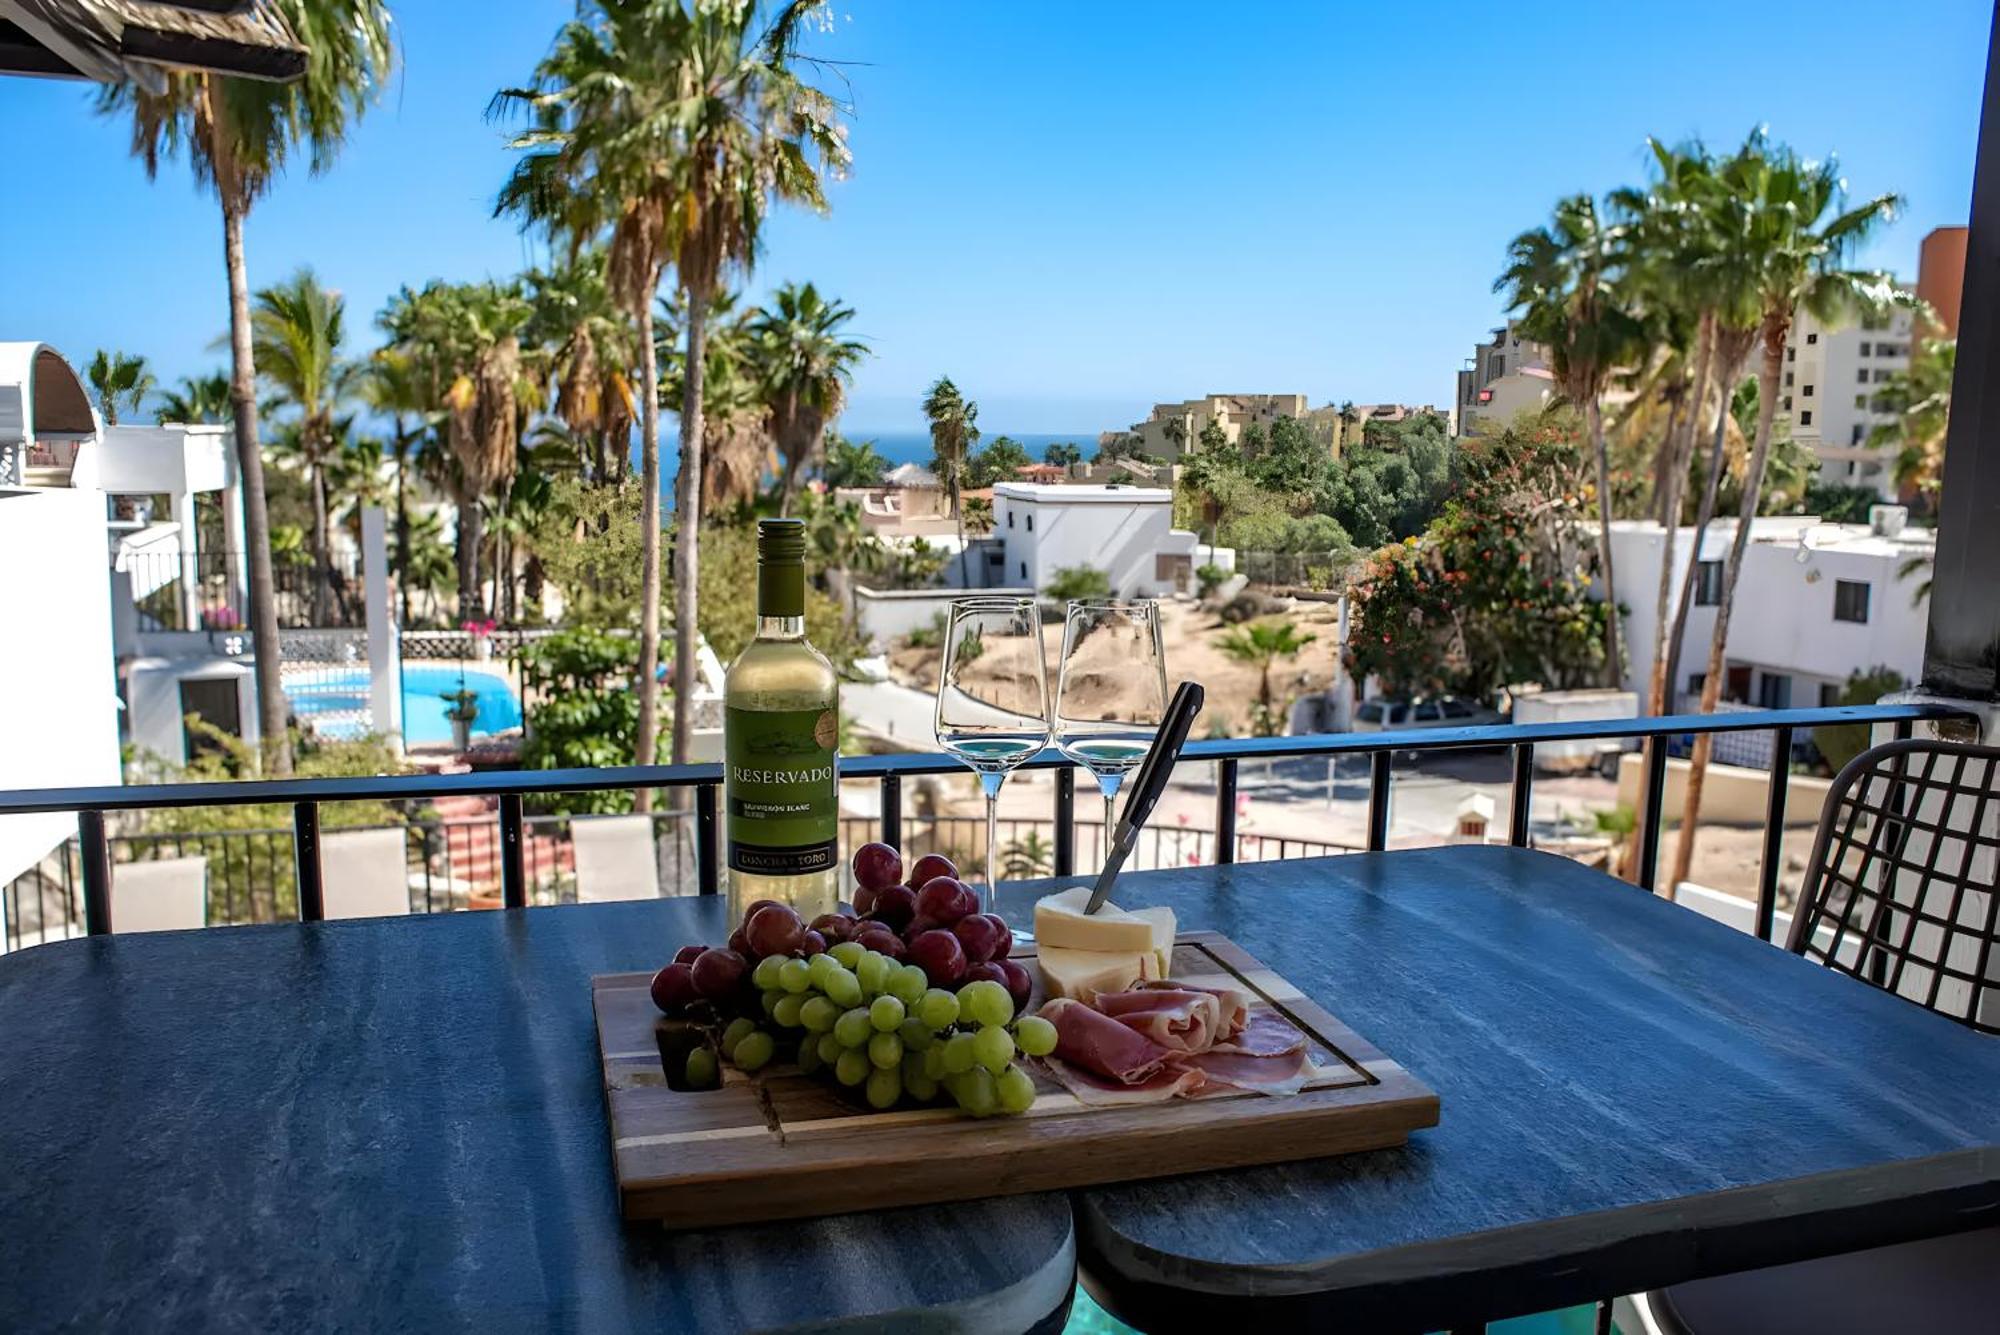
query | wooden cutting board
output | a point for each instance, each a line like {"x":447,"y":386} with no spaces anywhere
{"x":782,"y":1145}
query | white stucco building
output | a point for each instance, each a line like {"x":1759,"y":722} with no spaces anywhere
{"x":1816,"y":603}
{"x":1832,"y":374}
{"x":56,"y":672}
{"x":1127,"y":532}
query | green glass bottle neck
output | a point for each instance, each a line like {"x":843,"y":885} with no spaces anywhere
{"x":781,"y":591}
{"x":780,"y":628}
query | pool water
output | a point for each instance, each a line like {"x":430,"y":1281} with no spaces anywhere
{"x":1087,"y":1318}
{"x":424,"y":707}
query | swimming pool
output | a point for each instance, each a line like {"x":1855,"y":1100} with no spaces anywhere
{"x":424,"y":686}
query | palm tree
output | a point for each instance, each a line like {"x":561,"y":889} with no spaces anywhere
{"x":589,"y":346}
{"x":296,"y":331}
{"x":672,"y":125}
{"x":238,"y":135}
{"x":1921,"y":399}
{"x":1261,"y":644}
{"x":806,"y":366}
{"x":394,"y":386}
{"x":1206,"y":479}
{"x":852,"y":463}
{"x":954,"y":431}
{"x":198,"y":399}
{"x":736,"y":446}
{"x":1801,"y":234}
{"x":119,"y":378}
{"x":1567,"y":280}
{"x":464,"y":344}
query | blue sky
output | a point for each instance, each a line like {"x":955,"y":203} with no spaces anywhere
{"x":1073,"y":209}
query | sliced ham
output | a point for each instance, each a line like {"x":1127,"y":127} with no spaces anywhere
{"x":1096,"y":1091}
{"x":1267,"y":1034}
{"x":1284,"y":1073}
{"x":1232,"y":1007}
{"x":1179,"y":1019}
{"x":1103,"y":1046}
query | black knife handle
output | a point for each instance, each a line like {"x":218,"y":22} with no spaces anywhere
{"x":1158,"y":766}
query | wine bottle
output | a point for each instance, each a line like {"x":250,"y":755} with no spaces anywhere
{"x":781,"y":724}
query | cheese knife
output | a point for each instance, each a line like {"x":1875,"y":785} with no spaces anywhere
{"x":1147,"y":785}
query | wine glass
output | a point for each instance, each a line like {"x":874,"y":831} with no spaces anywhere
{"x":993,"y":698}
{"x":1112,"y":692}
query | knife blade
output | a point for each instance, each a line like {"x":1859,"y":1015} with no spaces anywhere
{"x":1147,"y":785}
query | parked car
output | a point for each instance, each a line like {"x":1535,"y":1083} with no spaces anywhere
{"x":1389,"y":714}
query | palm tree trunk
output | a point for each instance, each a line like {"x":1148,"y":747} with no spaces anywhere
{"x":687,"y":524}
{"x":788,"y":485}
{"x":471,"y":532}
{"x":1711,"y":485}
{"x":1593,"y":419}
{"x":958,"y":521}
{"x":322,"y":612}
{"x":403,"y":528}
{"x":646,"y":747}
{"x":1753,"y":488}
{"x":274,"y":740}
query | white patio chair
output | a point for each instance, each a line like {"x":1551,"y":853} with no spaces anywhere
{"x":365,"y":873}
{"x":615,"y":858}
{"x":166,"y":895}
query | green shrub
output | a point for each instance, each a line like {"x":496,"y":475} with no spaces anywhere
{"x":1841,"y":742}
{"x":1077,"y":582}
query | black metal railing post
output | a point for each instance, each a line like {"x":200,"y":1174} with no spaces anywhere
{"x":892,"y":810}
{"x":1225,"y":812}
{"x":513,"y":871}
{"x":1649,"y":817}
{"x":1378,"y":800}
{"x":1774,"y":831}
{"x":95,"y":854}
{"x":707,"y":880}
{"x":305,"y":858}
{"x":1065,"y":817}
{"x":1522,"y":794}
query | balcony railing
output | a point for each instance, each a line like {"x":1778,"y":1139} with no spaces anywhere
{"x":521,"y":837}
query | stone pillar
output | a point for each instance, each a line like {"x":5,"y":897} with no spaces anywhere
{"x":385,"y":673}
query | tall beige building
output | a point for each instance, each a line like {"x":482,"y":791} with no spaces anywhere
{"x":1505,"y":376}
{"x":1827,"y":393}
{"x":1173,"y":430}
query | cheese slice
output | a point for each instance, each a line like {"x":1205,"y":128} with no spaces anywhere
{"x":1061,"y":922}
{"x":1082,"y":974}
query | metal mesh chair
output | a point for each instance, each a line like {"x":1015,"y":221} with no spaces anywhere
{"x":1899,"y":893}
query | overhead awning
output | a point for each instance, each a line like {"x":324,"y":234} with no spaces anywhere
{"x":113,"y":41}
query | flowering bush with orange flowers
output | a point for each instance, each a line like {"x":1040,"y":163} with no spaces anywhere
{"x":1496,"y":592}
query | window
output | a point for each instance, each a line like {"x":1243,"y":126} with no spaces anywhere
{"x":1774,"y":690}
{"x":1029,"y":520}
{"x":1812,"y":338}
{"x":1860,"y":428}
{"x":1707,"y":583}
{"x":1805,"y":418}
{"x":1788,"y":403}
{"x":1024,"y":570}
{"x":1850,"y":600}
{"x":1428,"y":714}
{"x":1010,"y":519}
{"x":1860,"y":401}
{"x":1370,"y":713}
{"x":1806,"y":392}
{"x":1499,"y":367}
{"x":1788,"y":380}
{"x":1861,"y":376}
{"x":1864,"y":349}
{"x":1455,"y":708}
{"x":1829,"y":694}
{"x":1791,"y":354}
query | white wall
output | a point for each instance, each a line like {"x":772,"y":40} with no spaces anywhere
{"x":1783,"y":621}
{"x":58,"y":687}
{"x":887,"y":614}
{"x":1117,"y":530}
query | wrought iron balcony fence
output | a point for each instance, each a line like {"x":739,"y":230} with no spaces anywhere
{"x":530,"y":862}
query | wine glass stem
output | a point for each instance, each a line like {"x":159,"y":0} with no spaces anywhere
{"x":1108,"y":785}
{"x":990,"y":785}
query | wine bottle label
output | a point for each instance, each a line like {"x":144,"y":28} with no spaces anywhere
{"x":781,"y":790}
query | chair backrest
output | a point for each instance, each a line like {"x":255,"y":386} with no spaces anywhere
{"x":159,"y":896}
{"x":364,"y":873}
{"x":1899,"y":891}
{"x":615,"y":858}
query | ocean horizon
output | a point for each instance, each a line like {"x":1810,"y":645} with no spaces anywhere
{"x":898,"y":447}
